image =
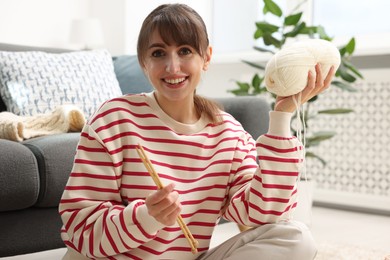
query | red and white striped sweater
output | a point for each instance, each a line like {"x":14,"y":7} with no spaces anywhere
{"x":213,"y":166}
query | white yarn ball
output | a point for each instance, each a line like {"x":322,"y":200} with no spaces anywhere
{"x":287,"y":71}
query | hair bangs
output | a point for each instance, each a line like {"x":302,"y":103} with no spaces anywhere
{"x":178,"y":29}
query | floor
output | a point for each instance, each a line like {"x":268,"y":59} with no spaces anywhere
{"x":330,"y":228}
{"x":345,"y":227}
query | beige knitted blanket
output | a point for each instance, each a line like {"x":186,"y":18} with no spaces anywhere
{"x":66,"y":118}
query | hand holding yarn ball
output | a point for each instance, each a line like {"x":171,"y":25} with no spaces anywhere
{"x":301,"y":68}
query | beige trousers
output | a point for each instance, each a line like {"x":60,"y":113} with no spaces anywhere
{"x":71,"y":254}
{"x":283,"y":241}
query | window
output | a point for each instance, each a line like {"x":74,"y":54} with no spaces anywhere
{"x":365,"y":20}
{"x":234,"y":25}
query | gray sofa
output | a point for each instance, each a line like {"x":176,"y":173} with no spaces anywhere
{"x":33,"y":173}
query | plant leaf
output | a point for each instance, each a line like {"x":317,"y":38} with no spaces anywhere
{"x":318,"y":137}
{"x":258,"y":34}
{"x":270,"y":40}
{"x":343,"y":86}
{"x":350,"y":47}
{"x":260,"y":90}
{"x":292,"y":19}
{"x":255,"y":65}
{"x":323,"y":35}
{"x":273,"y":8}
{"x":352,"y":68}
{"x":243,"y":89}
{"x":345,"y":75}
{"x":265,"y":10}
{"x":312,"y":155}
{"x":313,"y":99}
{"x":263,"y":49}
{"x":336,"y":111}
{"x":309,"y":30}
{"x":243,"y":86}
{"x":267,"y":27}
{"x":256,"y":81}
{"x":297,"y":29}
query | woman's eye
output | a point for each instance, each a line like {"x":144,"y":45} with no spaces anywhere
{"x":157,"y":53}
{"x":185,"y":51}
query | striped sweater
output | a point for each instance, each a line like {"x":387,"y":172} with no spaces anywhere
{"x":214,"y":168}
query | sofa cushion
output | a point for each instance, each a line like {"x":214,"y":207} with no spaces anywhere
{"x":16,"y":47}
{"x":55,"y":155}
{"x":36,"y":82}
{"x":130,"y":76}
{"x":252,"y":112}
{"x":19,"y":177}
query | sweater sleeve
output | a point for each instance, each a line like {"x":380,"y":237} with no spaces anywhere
{"x":268,"y":193}
{"x":97,"y":223}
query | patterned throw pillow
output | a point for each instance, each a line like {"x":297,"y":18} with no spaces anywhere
{"x":36,"y":82}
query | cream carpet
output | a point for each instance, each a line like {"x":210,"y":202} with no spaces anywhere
{"x":326,"y":251}
{"x":332,"y":251}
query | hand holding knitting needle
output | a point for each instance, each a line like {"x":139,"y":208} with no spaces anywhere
{"x":168,"y":207}
{"x":315,"y":85}
{"x":164,"y":205}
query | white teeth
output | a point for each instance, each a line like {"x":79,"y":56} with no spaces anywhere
{"x":174,"y":81}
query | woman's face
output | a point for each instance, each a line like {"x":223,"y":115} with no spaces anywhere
{"x":174,"y":70}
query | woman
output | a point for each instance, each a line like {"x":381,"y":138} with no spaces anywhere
{"x":111,"y":207}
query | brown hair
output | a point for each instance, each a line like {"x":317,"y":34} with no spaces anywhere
{"x":179,"y":24}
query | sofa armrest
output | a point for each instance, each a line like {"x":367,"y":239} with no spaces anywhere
{"x":54,"y":155}
{"x":19,"y":177}
{"x":251,"y":112}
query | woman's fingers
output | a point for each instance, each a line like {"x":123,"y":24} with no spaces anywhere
{"x":307,"y":92}
{"x":164,"y":205}
{"x":315,"y":85}
{"x":169,"y":215}
{"x":160,"y":195}
{"x":329,"y":77}
{"x":319,"y":76}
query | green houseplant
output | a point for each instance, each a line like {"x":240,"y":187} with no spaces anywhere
{"x":274,"y":37}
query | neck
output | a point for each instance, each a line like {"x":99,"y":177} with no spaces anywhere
{"x":182,"y":111}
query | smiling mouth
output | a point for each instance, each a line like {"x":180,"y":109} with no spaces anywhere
{"x":175,"y":81}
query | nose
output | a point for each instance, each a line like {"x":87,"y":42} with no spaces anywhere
{"x":173,"y":63}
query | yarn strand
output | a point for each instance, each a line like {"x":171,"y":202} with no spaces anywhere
{"x":301,"y":135}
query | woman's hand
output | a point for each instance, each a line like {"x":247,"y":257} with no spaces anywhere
{"x":164,"y":205}
{"x":315,"y":85}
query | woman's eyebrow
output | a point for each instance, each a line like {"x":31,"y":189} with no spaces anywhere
{"x":157,"y":45}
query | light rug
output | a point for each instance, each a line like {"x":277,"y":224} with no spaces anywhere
{"x":333,"y":251}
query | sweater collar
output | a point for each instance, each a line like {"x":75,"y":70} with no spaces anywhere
{"x":176,"y":126}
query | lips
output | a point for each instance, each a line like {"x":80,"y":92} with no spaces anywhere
{"x":175,"y":81}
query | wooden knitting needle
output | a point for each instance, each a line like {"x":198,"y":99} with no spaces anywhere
{"x":148,"y":165}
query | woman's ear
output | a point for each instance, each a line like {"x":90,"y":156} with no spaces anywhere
{"x":207,"y":58}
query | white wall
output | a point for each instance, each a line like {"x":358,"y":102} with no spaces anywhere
{"x":136,"y":11}
{"x":112,"y":15}
{"x":234,"y":25}
{"x":47,"y":23}
{"x":39,"y":22}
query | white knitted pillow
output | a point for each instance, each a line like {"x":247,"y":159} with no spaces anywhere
{"x":35,"y":82}
{"x":287,"y":71}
